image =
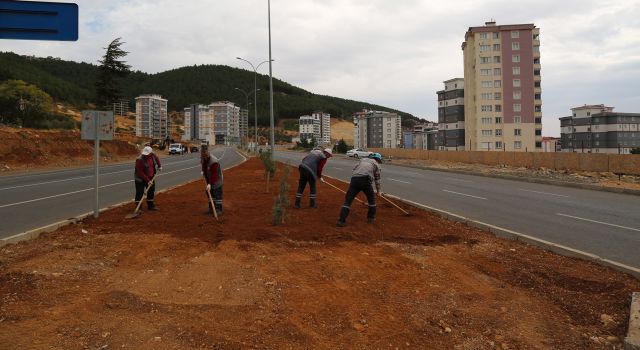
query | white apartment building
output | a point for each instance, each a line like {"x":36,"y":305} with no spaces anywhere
{"x":377,"y":129}
{"x":151,"y":117}
{"x":226,"y":122}
{"x":316,"y":126}
{"x":198,"y":124}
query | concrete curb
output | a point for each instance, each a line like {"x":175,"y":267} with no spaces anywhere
{"x":528,"y":179}
{"x":35,"y":233}
{"x":632,"y":341}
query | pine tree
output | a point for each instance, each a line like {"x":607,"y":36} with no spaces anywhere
{"x":111,"y":70}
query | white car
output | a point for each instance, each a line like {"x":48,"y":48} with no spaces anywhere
{"x":358,"y":153}
{"x":176,"y":148}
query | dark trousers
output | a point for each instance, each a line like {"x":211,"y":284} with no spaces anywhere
{"x":216,"y":194}
{"x":140,"y":187}
{"x":306,"y":176}
{"x":360,"y":183}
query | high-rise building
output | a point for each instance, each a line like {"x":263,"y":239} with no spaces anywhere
{"x":451,"y":134}
{"x":198,"y":124}
{"x":244,"y":125}
{"x":226,"y":122}
{"x":316,"y":126}
{"x":377,"y":129}
{"x":502,"y":97}
{"x":151,"y":117}
{"x":598,"y":129}
{"x":121,"y":107}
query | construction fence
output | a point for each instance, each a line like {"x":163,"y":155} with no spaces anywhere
{"x":594,"y":162}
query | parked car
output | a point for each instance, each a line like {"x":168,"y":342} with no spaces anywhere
{"x":177,"y":148}
{"x":194,"y":149}
{"x":358,"y":153}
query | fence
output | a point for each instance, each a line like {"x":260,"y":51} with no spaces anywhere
{"x":595,"y":162}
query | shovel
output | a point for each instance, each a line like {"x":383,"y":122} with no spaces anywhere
{"x":215,"y":212}
{"x":406,"y":213}
{"x":343,"y":191}
{"x":137,"y":212}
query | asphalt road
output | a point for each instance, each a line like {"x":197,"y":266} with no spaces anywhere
{"x":602,"y":223}
{"x":33,"y":200}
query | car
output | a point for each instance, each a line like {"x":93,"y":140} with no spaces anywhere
{"x":194,"y":149}
{"x":176,"y":148}
{"x":358,"y":153}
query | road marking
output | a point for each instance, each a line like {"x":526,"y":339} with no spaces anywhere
{"x":337,"y":168}
{"x":404,"y":182}
{"x":599,"y":222}
{"x":86,"y":189}
{"x":464,"y":194}
{"x":460,"y":180}
{"x":547,"y":193}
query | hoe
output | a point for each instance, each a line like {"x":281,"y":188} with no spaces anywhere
{"x":138,"y":212}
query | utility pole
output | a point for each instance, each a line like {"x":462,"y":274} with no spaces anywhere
{"x":271,"y":121}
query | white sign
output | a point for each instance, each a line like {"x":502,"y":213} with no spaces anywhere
{"x":106,"y":125}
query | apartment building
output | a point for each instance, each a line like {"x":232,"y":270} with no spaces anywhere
{"x":226,"y":122}
{"x":598,"y":129}
{"x":244,"y":125}
{"x":316,"y":126}
{"x":451,"y":125}
{"x":377,"y":129}
{"x":198,"y":124}
{"x":151,"y":117}
{"x":503,"y":96}
{"x":121,"y":107}
{"x":419,"y":136}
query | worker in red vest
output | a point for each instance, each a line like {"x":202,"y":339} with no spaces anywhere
{"x":212,"y":171}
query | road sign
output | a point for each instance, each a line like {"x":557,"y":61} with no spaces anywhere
{"x":38,"y":20}
{"x":105,"y":125}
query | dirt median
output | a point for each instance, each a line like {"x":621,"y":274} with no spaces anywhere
{"x":175,"y":279}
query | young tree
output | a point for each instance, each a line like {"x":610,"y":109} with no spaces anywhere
{"x":111,"y":70}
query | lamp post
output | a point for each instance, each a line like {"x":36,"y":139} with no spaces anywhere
{"x":255,"y":92}
{"x":246,"y":94}
{"x":273,"y":139}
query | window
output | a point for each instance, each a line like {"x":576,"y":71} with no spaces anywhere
{"x":536,"y":72}
{"x":388,"y":125}
{"x":538,"y":132}
{"x":516,"y":95}
{"x":515,"y":45}
{"x":498,"y":132}
{"x":537,"y":96}
{"x":538,"y":144}
{"x":517,"y":107}
{"x":498,"y":144}
{"x":517,"y":119}
{"x":515,"y":58}
{"x":496,"y":59}
{"x":487,"y":108}
{"x":536,"y":60}
{"x":486,"y":96}
{"x":497,"y":83}
{"x":516,"y":70}
{"x":498,"y":95}
{"x":516,"y":82}
{"x":498,"y":120}
{"x":538,"y":108}
{"x":496,"y":35}
{"x":536,"y":36}
{"x":539,"y":121}
{"x":497,"y":71}
{"x":485,"y":72}
{"x":517,"y":144}
{"x":498,"y":108}
{"x":388,"y":130}
{"x":536,"y":84}
{"x":496,"y":47}
{"x":486,"y":120}
{"x":485,"y":59}
{"x":484,"y":48}
{"x":536,"y":49}
{"x":517,"y":132}
{"x":487,"y":133}
{"x":515,"y":34}
{"x":486,"y":83}
{"x":483,"y":35}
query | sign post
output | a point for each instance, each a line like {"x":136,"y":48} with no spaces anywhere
{"x":96,"y":126}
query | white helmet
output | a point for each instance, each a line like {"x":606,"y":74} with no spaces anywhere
{"x":147,"y":151}
{"x":328,"y":151}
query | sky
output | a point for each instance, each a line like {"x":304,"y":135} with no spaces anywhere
{"x":391,"y":53}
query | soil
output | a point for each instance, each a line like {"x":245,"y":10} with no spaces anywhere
{"x":29,"y":149}
{"x":177,"y":279}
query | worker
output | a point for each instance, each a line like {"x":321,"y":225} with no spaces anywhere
{"x":212,"y":171}
{"x":365,"y":174}
{"x":147,"y":166}
{"x":310,"y":170}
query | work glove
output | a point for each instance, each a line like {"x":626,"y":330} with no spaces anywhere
{"x":321,"y":179}
{"x":208,"y":187}
{"x":159,"y":169}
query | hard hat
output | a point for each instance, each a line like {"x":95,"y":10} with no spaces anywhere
{"x":376,"y":156}
{"x":328,"y":151}
{"x":147,"y":151}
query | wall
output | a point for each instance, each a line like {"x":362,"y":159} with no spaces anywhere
{"x":595,"y":162}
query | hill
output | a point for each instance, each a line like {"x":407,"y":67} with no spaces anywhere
{"x":73,"y":83}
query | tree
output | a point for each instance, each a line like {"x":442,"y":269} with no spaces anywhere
{"x":110,"y":72}
{"x":342,"y":146}
{"x":23,"y":104}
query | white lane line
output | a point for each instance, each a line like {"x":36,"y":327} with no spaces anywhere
{"x":81,"y":177}
{"x":599,"y":222}
{"x":547,"y":193}
{"x":86,"y":189}
{"x":460,"y":180}
{"x":404,"y":182}
{"x":466,"y":195}
{"x":337,"y":168}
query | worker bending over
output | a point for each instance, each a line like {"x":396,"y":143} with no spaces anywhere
{"x":365,"y":173}
{"x":310,"y":170}
{"x":147,"y":166}
{"x":212,"y":172}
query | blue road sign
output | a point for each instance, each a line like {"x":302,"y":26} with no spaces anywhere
{"x":37,"y":20}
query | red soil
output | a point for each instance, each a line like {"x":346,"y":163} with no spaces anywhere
{"x":176,"y":279}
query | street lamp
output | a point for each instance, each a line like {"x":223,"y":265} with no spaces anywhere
{"x":255,"y":92}
{"x":246,"y":94}
{"x":273,"y":139}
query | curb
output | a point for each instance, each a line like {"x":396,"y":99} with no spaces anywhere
{"x":632,"y":341}
{"x":528,"y":179}
{"x":35,"y":233}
